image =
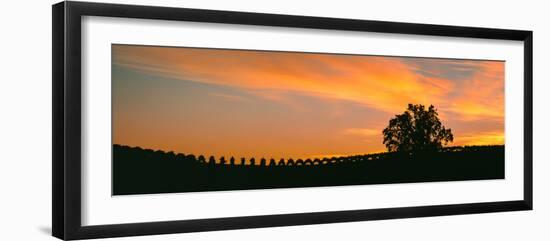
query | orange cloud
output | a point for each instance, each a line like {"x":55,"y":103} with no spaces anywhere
{"x":483,"y":138}
{"x":363,"y":131}
{"x":386,"y":84}
{"x":482,"y":95}
{"x":382,"y":83}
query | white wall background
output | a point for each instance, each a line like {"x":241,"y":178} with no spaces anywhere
{"x":25,"y":119}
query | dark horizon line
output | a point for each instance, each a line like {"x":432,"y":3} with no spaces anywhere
{"x":255,"y":158}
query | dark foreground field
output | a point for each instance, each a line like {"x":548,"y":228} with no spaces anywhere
{"x":139,"y":171}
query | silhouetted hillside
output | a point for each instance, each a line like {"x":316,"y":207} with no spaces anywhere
{"x":141,"y":171}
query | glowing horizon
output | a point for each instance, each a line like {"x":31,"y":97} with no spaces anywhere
{"x":248,"y":103}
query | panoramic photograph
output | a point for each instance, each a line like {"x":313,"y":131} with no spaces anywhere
{"x":187,"y":119}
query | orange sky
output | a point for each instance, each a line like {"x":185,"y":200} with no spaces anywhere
{"x":292,"y":105}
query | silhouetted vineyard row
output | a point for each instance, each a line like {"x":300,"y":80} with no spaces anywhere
{"x":138,"y":171}
{"x":290,"y":162}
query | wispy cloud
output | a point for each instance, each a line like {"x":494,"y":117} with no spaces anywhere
{"x":382,"y":83}
{"x":444,"y":68}
{"x":470,"y":89}
{"x":468,"y":92}
{"x":482,"y":95}
{"x":363,"y":132}
{"x":480,"y":138}
{"x":229,"y":97}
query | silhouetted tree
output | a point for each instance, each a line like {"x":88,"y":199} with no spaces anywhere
{"x":272,"y":162}
{"x":232,"y":161}
{"x":191,"y":158}
{"x":416,"y":130}
{"x":316,"y":161}
{"x":290,"y":162}
{"x":252,"y":161}
{"x":201,"y":159}
{"x":281,"y":162}
{"x":243,"y":161}
{"x":263,"y":161}
{"x":211,"y":161}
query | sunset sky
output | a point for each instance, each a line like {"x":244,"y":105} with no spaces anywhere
{"x":292,"y":105}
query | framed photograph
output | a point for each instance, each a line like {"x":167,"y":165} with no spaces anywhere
{"x":169,"y":120}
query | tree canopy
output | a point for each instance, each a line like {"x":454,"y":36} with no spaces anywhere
{"x":417,"y":129}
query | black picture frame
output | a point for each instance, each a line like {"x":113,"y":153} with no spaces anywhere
{"x":66,"y":75}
